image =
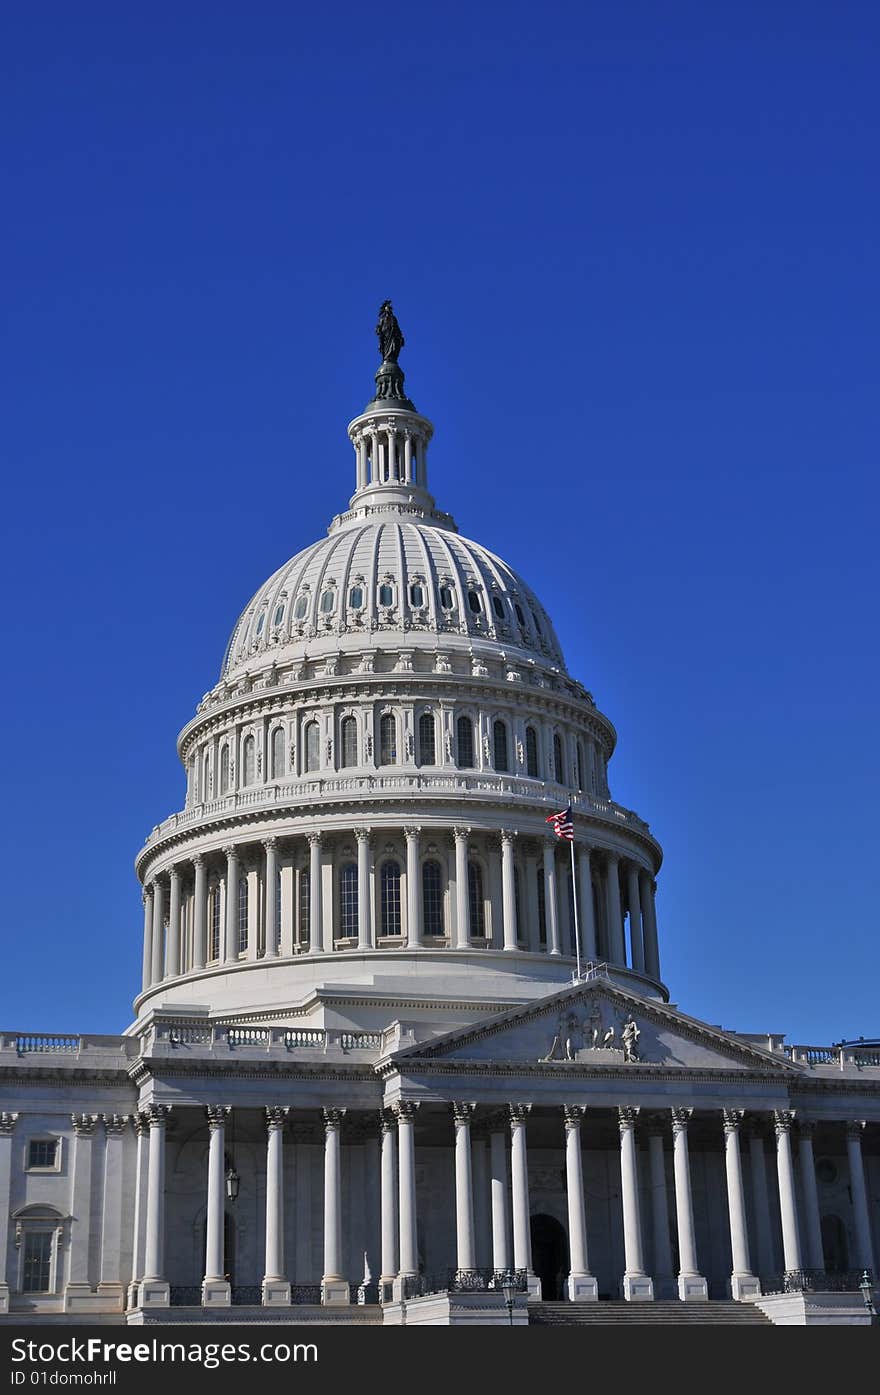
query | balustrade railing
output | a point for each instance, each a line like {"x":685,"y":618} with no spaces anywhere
{"x":813,"y":1281}
{"x":27,"y":1042}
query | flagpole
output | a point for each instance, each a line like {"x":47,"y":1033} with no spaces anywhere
{"x":577,"y":933}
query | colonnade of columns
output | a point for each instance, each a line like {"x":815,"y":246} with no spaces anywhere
{"x":506,"y":1197}
{"x":386,"y":453}
{"x":322,"y":892}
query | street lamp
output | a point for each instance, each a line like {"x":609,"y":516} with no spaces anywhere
{"x":865,"y":1288}
{"x":508,"y":1288}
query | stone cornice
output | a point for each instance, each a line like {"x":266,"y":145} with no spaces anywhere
{"x":565,"y":1071}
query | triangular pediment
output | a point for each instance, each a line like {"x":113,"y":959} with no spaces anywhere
{"x":586,"y":1025}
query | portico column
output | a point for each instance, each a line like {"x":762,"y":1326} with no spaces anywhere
{"x":498,"y":1192}
{"x":147,"y":972}
{"x":172,"y":964}
{"x":864,"y":1247}
{"x":139,"y":1221}
{"x":276,"y":1288}
{"x":364,"y":850}
{"x":233,"y":871}
{"x":691,"y":1283}
{"x":462,"y":899}
{"x":815,"y":1251}
{"x":464,"y":1189}
{"x":761,"y":1200}
{"x":635,"y":917}
{"x":581,"y":1283}
{"x":270,"y":898}
{"x":334,"y":1286}
{"x":216,"y":1291}
{"x":158,"y":931}
{"x":78,"y":1284}
{"x":154,"y":1288}
{"x":551,"y":908}
{"x":7,"y":1128}
{"x":508,"y":890}
{"x":519,"y":1185}
{"x":649,"y":923}
{"x":110,"y":1286}
{"x":316,"y":926}
{"x":413,"y":889}
{"x":586,"y":915}
{"x":637,"y":1285}
{"x":389,"y":1200}
{"x":791,"y":1243}
{"x":200,"y":913}
{"x":743,"y":1283}
{"x":616,"y":946}
{"x":664,"y":1281}
{"x":406,"y":1163}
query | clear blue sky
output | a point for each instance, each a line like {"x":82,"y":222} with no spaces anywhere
{"x":634,"y":252}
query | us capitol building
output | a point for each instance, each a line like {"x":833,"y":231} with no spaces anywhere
{"x":373,"y":1074}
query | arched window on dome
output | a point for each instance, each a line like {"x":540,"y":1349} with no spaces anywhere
{"x":558,"y":762}
{"x":312,"y":750}
{"x":542,"y":909}
{"x":499,"y":745}
{"x":498,"y":607}
{"x":580,"y":765}
{"x":531,"y":753}
{"x":279,"y":615}
{"x":278,"y":753}
{"x":348,"y":901}
{"x":416,"y":595}
{"x":476,"y":899}
{"x":447,"y":598}
{"x":388,"y":739}
{"x":432,"y":898}
{"x":519,"y":614}
{"x":356,"y":598}
{"x":464,"y":734}
{"x":389,"y":882}
{"x":249,"y":760}
{"x":386,"y":594}
{"x":427,"y":744}
{"x":224,"y":770}
{"x":475,"y":602}
{"x":242,"y":915}
{"x":349,"y":741}
{"x":214,"y":924}
{"x":302,"y":605}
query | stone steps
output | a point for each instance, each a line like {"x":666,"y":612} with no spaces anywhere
{"x":660,"y":1314}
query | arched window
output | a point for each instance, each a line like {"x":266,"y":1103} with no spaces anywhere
{"x":242,"y":915}
{"x":328,"y":600}
{"x":519,"y":614}
{"x":474,"y":602}
{"x":476,"y":904}
{"x":312,"y":755}
{"x":386,"y":594}
{"x":348,"y":901}
{"x":249,"y":760}
{"x":498,"y":607}
{"x":277,"y":753}
{"x":558,"y":763}
{"x":348,"y":732}
{"x":416,"y":595}
{"x":214,"y":924}
{"x":299,"y":610}
{"x":224,"y":770}
{"x":356,"y":597}
{"x":305,"y":902}
{"x":464,"y":731}
{"x":531,"y":753}
{"x":427,"y":748}
{"x":388,"y":739}
{"x":261,"y":622}
{"x":499,"y":745}
{"x":432,"y":898}
{"x":279,"y":614}
{"x":580,"y":764}
{"x":542,"y":909}
{"x":447,"y":599}
{"x":390,"y":898}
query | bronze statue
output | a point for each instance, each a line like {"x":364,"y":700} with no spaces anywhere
{"x":389,"y":334}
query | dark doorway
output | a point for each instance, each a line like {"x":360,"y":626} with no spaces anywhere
{"x":549,"y":1256}
{"x":834,"y":1244}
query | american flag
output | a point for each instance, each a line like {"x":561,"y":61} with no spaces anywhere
{"x":562,"y":824}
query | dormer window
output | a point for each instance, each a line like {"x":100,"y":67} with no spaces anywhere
{"x":474,"y":602}
{"x":386,"y":594}
{"x":299,"y":610}
{"x":261,"y":622}
{"x":519,"y":614}
{"x":447,"y":599}
{"x":328,"y":600}
{"x":498,"y":607}
{"x":356,"y":597}
{"x":416,"y":595}
{"x":279,"y":614}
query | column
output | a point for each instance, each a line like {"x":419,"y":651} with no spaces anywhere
{"x":616,"y":946}
{"x":637,"y":1285}
{"x":551,"y":908}
{"x":585,"y":906}
{"x":635,"y":917}
{"x":139,"y":1223}
{"x":372,"y":1201}
{"x":216,"y":1291}
{"x":406,"y":1163}
{"x":147,"y":972}
{"x":154,"y":1289}
{"x":581,"y":1284}
{"x":649,"y":922}
{"x":508,"y":890}
{"x":761,"y":1200}
{"x":388,"y":1202}
{"x":276,"y":1288}
{"x":200,"y":912}
{"x":364,"y":848}
{"x":334,"y":1285}
{"x":691,"y":1283}
{"x":815,"y":1251}
{"x":270,"y":898}
{"x":361,"y":448}
{"x":519,"y":1186}
{"x":316,"y":933}
{"x":172,"y":958}
{"x":864,"y":1247}
{"x":498,"y":1193}
{"x":664,"y":1281}
{"x":78,"y":1286}
{"x":791,"y":1243}
{"x":464,"y":1189}
{"x":158,"y":932}
{"x":110,"y":1286}
{"x":743,"y":1284}
{"x":393,"y":470}
{"x":7,"y":1128}
{"x":233,"y":870}
{"x":462,"y":904}
{"x":413,"y":889}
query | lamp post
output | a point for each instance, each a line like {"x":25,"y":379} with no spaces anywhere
{"x":865,"y":1288}
{"x":508,"y":1288}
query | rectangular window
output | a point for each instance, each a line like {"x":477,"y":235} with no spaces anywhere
{"x":43,"y":1152}
{"x":37,"y":1261}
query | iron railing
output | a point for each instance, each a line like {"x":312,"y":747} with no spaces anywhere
{"x":813,"y":1281}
